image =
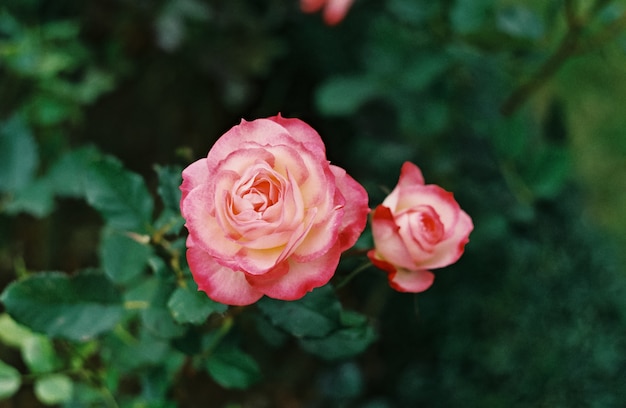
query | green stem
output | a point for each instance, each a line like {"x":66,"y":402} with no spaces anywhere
{"x":352,"y":274}
{"x":227,"y":324}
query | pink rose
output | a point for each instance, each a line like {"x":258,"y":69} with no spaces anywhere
{"x":267,"y":214}
{"x":334,"y":10}
{"x":417,"y":227}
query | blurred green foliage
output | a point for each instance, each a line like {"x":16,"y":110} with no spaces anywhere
{"x":103,"y":102}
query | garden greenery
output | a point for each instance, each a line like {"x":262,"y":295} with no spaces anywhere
{"x":515,"y":106}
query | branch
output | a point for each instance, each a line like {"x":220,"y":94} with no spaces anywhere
{"x":571,"y":45}
{"x":567,"y":48}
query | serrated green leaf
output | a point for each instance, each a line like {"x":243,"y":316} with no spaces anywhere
{"x":123,"y":258}
{"x":129,"y":354}
{"x":10,"y":380}
{"x":53,"y":389}
{"x":39,"y":355}
{"x":341,"y":344}
{"x":232,"y":368}
{"x":119,"y":195}
{"x":188,"y":305}
{"x":11,"y":333}
{"x":18,"y":155}
{"x":170,"y":179}
{"x":62,"y":306}
{"x":154,"y":294}
{"x":315,"y":315}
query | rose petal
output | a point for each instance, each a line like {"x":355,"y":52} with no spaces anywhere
{"x":336,"y":10}
{"x":204,"y":228}
{"x":410,"y":175}
{"x":389,"y":244}
{"x":449,"y":251}
{"x":197,"y":173}
{"x":440,"y":200}
{"x":411,"y":281}
{"x":220,"y":283}
{"x":311,"y":6}
{"x":301,"y":278}
{"x":303,"y":133}
{"x":354,"y":211}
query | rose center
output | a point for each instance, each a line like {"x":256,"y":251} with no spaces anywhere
{"x":255,"y":196}
{"x":425,"y":226}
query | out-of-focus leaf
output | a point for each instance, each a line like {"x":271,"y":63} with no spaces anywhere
{"x":53,"y":389}
{"x":62,"y":306}
{"x":50,"y":110}
{"x":423,"y":71}
{"x":39,"y":354}
{"x":123,"y":258}
{"x":11,"y":333}
{"x":18,"y":155}
{"x":345,"y":95}
{"x":10,"y":380}
{"x":119,"y":195}
{"x":170,"y":178}
{"x":342,"y":381}
{"x":35,"y":199}
{"x":548,"y":171}
{"x":232,"y":368}
{"x":315,"y":315}
{"x":470,"y":15}
{"x":67,"y":176}
{"x":519,"y":21}
{"x":188,"y":305}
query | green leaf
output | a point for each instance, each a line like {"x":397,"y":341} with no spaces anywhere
{"x":154,"y":293}
{"x":119,"y":195}
{"x":35,"y":199}
{"x":129,"y":354}
{"x":341,"y":344}
{"x":58,"y":305}
{"x":170,"y":179}
{"x":18,"y":155}
{"x":10,"y":380}
{"x":232,"y":368}
{"x":548,"y":171}
{"x":123,"y":258}
{"x":345,"y":95}
{"x":11,"y":333}
{"x":520,"y":21}
{"x":39,"y":355}
{"x":470,"y":15}
{"x":423,"y":71}
{"x":188,"y":305}
{"x":54,"y":389}
{"x":315,"y":315}
{"x":68,"y":175}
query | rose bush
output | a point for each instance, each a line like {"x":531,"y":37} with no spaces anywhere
{"x":267,"y":214}
{"x":334,"y":10}
{"x":416,"y":228}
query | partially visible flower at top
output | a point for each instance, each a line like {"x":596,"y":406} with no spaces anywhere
{"x":267,"y":214}
{"x":417,"y":227}
{"x":334,"y":10}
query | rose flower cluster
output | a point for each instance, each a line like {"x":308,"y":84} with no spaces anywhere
{"x":267,"y":214}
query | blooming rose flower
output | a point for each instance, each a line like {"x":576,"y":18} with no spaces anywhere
{"x":267,"y":214}
{"x":417,"y":227}
{"x":334,"y":10}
